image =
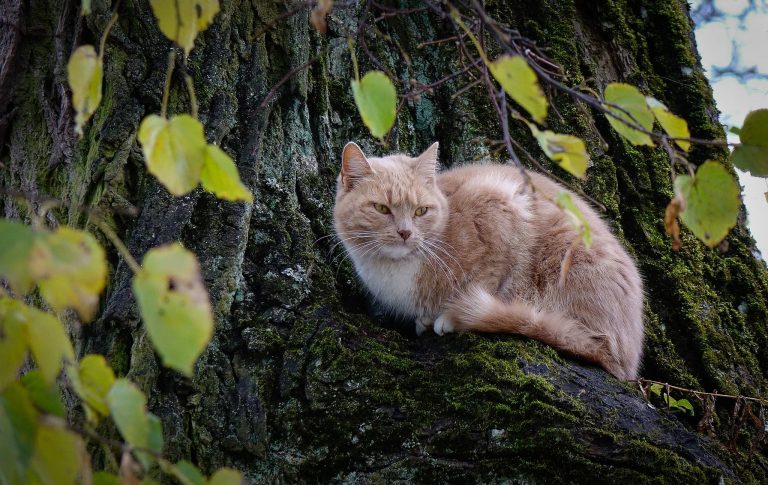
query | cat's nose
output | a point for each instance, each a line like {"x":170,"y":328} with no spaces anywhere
{"x":404,"y":233}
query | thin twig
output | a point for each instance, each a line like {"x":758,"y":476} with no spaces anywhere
{"x":700,"y":393}
{"x":167,"y":86}
{"x":282,"y":81}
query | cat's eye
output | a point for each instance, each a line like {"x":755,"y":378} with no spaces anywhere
{"x":381,"y":208}
{"x":421,"y":211}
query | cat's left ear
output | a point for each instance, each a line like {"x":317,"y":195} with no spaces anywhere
{"x":426,"y":163}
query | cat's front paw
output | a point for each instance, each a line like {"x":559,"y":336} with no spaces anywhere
{"x":422,"y":324}
{"x":444,"y":325}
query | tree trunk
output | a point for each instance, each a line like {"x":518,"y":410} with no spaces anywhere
{"x":303,"y":381}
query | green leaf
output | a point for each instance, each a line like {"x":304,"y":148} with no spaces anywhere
{"x":13,"y":340}
{"x":155,"y":442}
{"x":226,"y":476}
{"x":18,"y":429}
{"x":182,"y":20}
{"x":173,"y":150}
{"x":752,"y":155}
{"x":567,"y":150}
{"x":673,"y":125}
{"x":632,"y":102}
{"x":174,"y":305}
{"x":711,"y":202}
{"x":376,"y":100}
{"x":71,"y":269}
{"x":58,"y":455}
{"x":656,"y":389}
{"x":47,"y":397}
{"x":684,"y":405}
{"x":85,"y":72}
{"x":48,"y":341}
{"x":188,"y":474}
{"x":521,"y":84}
{"x":104,"y":478}
{"x":86,"y":7}
{"x":92,"y":380}
{"x":219,"y":176}
{"x":16,"y":242}
{"x":735,"y":130}
{"x":565,"y":202}
{"x":128,"y":407}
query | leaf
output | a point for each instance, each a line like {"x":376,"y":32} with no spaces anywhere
{"x":128,"y":407}
{"x":567,"y":150}
{"x":174,"y":150}
{"x":188,"y":474}
{"x":104,"y":478}
{"x":685,"y":405}
{"x":92,"y":380}
{"x":48,"y":341}
{"x":319,"y":12}
{"x":174,"y":305}
{"x":521,"y":84}
{"x":58,"y":455}
{"x":672,"y":124}
{"x":219,"y":176}
{"x":656,"y":389}
{"x":182,"y":20}
{"x":47,"y":397}
{"x":376,"y":100}
{"x":565,"y":202}
{"x":86,"y":7}
{"x":226,"y":476}
{"x":13,"y":340}
{"x":71,"y":269}
{"x":155,"y":441}
{"x":16,"y":240}
{"x":673,"y":210}
{"x":752,"y":155}
{"x":631,"y":100}
{"x":18,"y":429}
{"x":711,"y":202}
{"x":85,"y":72}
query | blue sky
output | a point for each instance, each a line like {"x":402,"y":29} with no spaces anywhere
{"x":732,"y":36}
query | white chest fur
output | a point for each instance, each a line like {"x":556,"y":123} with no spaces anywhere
{"x":392,"y":283}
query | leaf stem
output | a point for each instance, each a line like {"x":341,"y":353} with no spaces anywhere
{"x":167,"y":87}
{"x":118,"y":244}
{"x":351,"y":44}
{"x":104,"y":36}
{"x":191,"y":91}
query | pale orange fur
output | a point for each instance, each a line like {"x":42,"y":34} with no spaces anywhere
{"x":487,"y":254}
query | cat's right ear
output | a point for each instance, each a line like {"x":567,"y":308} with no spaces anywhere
{"x":354,"y":166}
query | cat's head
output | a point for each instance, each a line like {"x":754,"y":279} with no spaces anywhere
{"x":389,"y":207}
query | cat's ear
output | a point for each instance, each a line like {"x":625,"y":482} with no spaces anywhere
{"x":354,"y":166}
{"x":426,"y":163}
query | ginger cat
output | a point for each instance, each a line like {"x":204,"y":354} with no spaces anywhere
{"x":472,"y":249}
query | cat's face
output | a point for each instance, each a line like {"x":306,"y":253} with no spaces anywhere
{"x":389,"y":207}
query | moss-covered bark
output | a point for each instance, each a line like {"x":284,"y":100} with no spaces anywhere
{"x":302,"y":381}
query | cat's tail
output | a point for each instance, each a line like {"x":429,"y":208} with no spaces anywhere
{"x":479,"y":311}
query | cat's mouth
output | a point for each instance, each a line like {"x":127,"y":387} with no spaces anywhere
{"x":397,"y":250}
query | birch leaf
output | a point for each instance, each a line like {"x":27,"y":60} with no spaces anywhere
{"x":182,"y":20}
{"x":631,"y":101}
{"x":376,"y":100}
{"x":580,"y":223}
{"x":672,"y":124}
{"x":85,"y":72}
{"x":521,"y":84}
{"x":219,"y":176}
{"x":752,"y":155}
{"x":567,"y":150}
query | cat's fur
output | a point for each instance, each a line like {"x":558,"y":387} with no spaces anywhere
{"x":487,"y":256}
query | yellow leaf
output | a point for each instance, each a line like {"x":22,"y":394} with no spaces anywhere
{"x":567,"y":150}
{"x":85,"y":72}
{"x":58,"y":455}
{"x":580,"y":223}
{"x":16,"y":241}
{"x":92,"y":380}
{"x":633,"y":110}
{"x":174,"y":151}
{"x":13,"y":340}
{"x":521,"y":84}
{"x":182,"y":20}
{"x":48,"y":341}
{"x":672,"y":124}
{"x":226,"y":476}
{"x":71,"y":269}
{"x":219,"y":176}
{"x":174,"y":305}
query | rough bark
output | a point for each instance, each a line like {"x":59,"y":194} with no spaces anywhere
{"x":303,"y":381}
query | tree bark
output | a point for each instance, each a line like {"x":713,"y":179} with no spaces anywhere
{"x":303,"y":380}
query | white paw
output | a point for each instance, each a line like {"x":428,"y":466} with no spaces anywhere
{"x":444,"y":325}
{"x":420,"y":327}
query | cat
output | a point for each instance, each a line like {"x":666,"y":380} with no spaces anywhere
{"x":476,"y":248}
